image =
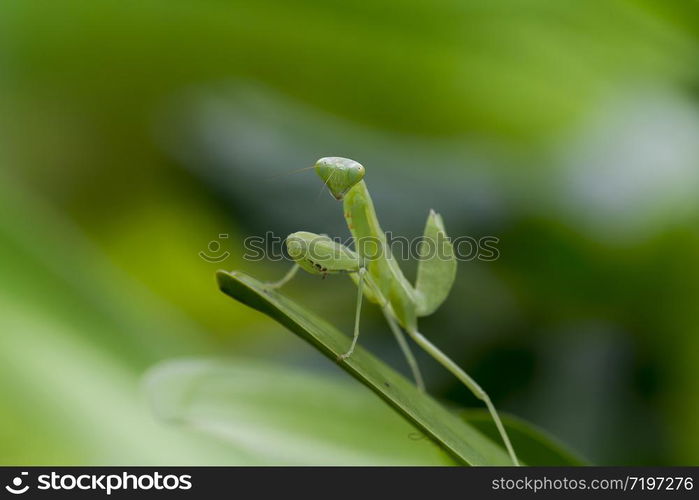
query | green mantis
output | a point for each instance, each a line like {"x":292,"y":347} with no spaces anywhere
{"x":377,"y":274}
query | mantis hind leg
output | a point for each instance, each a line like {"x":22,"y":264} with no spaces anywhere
{"x":403,"y":343}
{"x":360,"y":293}
{"x":287,"y":277}
{"x":472,"y":385}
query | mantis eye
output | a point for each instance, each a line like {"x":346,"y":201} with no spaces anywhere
{"x":339,"y":174}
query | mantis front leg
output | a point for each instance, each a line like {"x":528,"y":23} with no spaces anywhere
{"x":318,"y":254}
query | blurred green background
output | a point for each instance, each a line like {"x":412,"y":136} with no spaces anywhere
{"x":133,"y":134}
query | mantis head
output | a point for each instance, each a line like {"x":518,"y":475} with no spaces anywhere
{"x":339,"y":174}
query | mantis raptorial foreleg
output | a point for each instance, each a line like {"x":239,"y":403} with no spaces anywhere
{"x":364,"y":286}
{"x":377,"y":274}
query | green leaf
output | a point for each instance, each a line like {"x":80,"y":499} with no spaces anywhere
{"x":461,"y":440}
{"x":75,"y":337}
{"x":533,"y":445}
{"x":284,"y":415}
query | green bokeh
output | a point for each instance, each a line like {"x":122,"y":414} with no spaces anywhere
{"x":132,"y":134}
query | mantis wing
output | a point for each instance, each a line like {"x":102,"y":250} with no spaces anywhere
{"x":437,"y":267}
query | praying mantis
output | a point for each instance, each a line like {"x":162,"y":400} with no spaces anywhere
{"x":377,"y":275}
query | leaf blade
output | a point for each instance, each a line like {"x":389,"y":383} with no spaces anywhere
{"x":274,"y":414}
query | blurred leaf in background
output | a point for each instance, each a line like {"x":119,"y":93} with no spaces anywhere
{"x":133,"y":134}
{"x":268,"y":411}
